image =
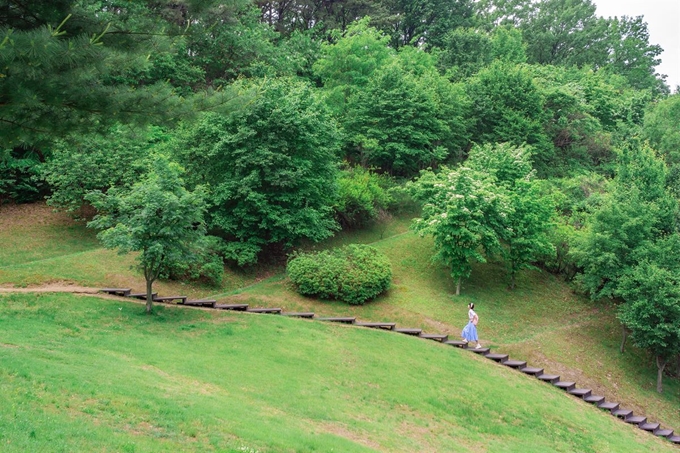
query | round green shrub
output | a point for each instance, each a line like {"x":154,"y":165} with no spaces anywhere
{"x":352,"y":274}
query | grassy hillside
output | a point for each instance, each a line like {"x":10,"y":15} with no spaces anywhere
{"x":542,"y":321}
{"x":86,"y":374}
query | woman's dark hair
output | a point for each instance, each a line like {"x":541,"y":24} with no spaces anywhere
{"x":471,"y":306}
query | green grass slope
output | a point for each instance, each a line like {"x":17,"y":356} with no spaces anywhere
{"x":88,"y":374}
{"x":542,"y":321}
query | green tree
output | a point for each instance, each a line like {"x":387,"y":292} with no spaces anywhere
{"x":345,"y":66}
{"x":83,"y":163}
{"x":124,"y":53}
{"x":652,"y":311}
{"x":157,"y":217}
{"x":418,"y":22}
{"x":526,"y":222}
{"x":465,"y":51}
{"x":362,"y":196}
{"x":271,"y":169}
{"x":507,"y":106}
{"x":463,"y":211}
{"x":527,"y":227}
{"x":393,"y":124}
{"x":662,"y":128}
{"x":629,"y":227}
{"x":569,"y":33}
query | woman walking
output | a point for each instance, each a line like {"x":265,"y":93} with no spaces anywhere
{"x":469,"y":333}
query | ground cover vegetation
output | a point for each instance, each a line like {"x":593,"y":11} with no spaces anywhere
{"x":528,"y":135}
{"x":91,"y":374}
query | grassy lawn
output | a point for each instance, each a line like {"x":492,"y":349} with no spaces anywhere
{"x":542,"y":321}
{"x":87,"y":374}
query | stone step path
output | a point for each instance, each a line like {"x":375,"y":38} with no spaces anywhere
{"x":539,"y":373}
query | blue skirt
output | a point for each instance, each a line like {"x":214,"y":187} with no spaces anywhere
{"x":469,"y":333}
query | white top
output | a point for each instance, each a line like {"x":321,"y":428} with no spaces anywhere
{"x":471,"y":314}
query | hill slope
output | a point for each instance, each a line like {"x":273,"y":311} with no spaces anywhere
{"x":80,"y":373}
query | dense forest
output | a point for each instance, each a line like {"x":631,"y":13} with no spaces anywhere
{"x":210,"y":133}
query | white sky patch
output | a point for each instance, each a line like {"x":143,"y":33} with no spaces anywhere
{"x":663,"y":24}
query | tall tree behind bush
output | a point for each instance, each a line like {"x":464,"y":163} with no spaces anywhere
{"x":271,"y":169}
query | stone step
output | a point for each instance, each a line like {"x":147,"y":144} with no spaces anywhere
{"x":181,"y":299}
{"x":265,"y":310}
{"x":477,"y":350}
{"x":141,"y":295}
{"x":595,"y":399}
{"x":117,"y":291}
{"x":434,"y":336}
{"x":662,"y":432}
{"x":292,"y":314}
{"x":675,"y":439}
{"x":609,"y":406}
{"x":649,"y":426}
{"x":532,"y":371}
{"x":236,"y":307}
{"x":342,"y":319}
{"x":409,"y":331}
{"x":551,"y":378}
{"x":515,"y":363}
{"x":377,"y":325}
{"x":496,"y":357}
{"x":565,"y":385}
{"x":622,"y":413}
{"x":581,"y":393}
{"x":636,"y":419}
{"x":201,"y":303}
{"x":457,"y":343}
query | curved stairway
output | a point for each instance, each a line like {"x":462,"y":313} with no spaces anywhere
{"x":570,"y":387}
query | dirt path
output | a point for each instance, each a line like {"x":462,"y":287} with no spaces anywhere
{"x":50,"y":288}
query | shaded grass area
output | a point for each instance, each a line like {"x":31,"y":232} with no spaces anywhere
{"x":80,"y":373}
{"x":41,"y":246}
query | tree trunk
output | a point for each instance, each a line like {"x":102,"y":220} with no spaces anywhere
{"x":512,"y":281}
{"x":149,"y":295}
{"x":624,"y":337}
{"x":458,"y":286}
{"x":660,"y":365}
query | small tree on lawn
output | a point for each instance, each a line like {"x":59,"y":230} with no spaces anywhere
{"x":463,"y":211}
{"x":524,"y":229}
{"x":652,"y":312}
{"x":157,"y":217}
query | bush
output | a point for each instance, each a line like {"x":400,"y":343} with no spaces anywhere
{"x":204,"y":263}
{"x":362,"y":196}
{"x":20,"y":176}
{"x":352,"y":274}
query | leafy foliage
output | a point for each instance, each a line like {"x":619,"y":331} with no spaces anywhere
{"x":270,"y":169}
{"x":352,"y":274}
{"x":662,"y":128}
{"x":526,"y":222}
{"x":157,"y":217}
{"x":463,"y":211}
{"x":362,"y":195}
{"x":622,"y":232}
{"x":85,"y":163}
{"x":394,"y":124}
{"x":21,"y":179}
{"x":652,"y":310}
{"x":507,"y":106}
